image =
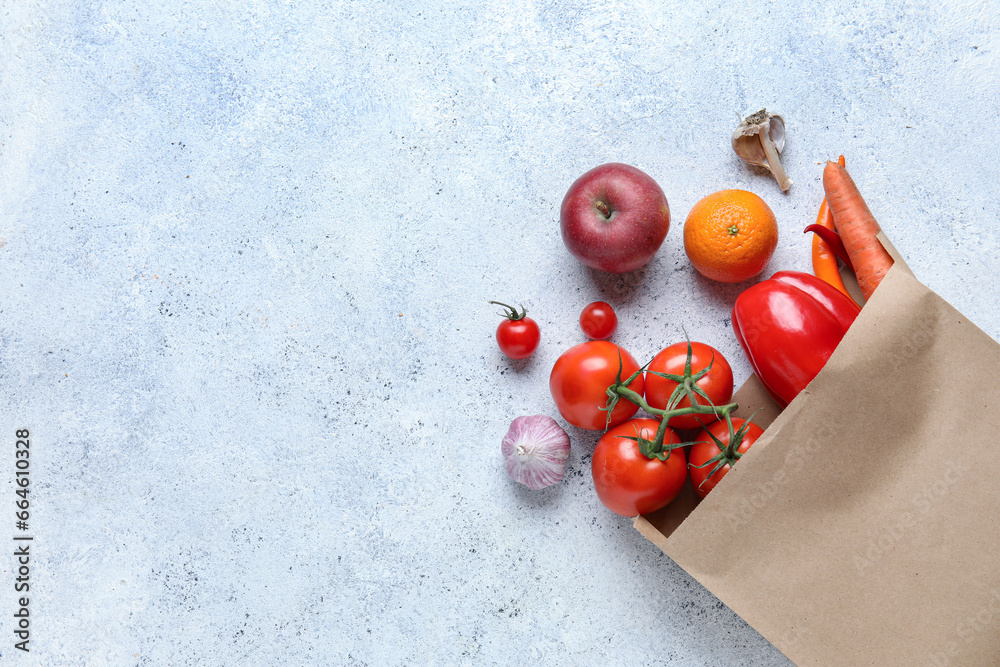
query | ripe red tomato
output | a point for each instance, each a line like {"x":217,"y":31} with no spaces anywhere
{"x":518,"y":339}
{"x":629,"y":483}
{"x":717,"y":383}
{"x":518,"y":335}
{"x":580,"y":379}
{"x":705,"y":449}
{"x":598,"y":320}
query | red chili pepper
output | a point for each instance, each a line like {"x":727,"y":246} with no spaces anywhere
{"x":825,"y":264}
{"x":832,"y":239}
{"x":788,"y":326}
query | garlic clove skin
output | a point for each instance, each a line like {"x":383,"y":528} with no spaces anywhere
{"x":758,"y":140}
{"x":535,"y":450}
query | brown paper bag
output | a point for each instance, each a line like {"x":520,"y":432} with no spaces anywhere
{"x":863,"y":527}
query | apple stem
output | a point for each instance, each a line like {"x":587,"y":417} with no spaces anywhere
{"x":603,"y":208}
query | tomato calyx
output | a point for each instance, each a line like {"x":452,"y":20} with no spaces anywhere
{"x":650,"y":449}
{"x":687,"y":386}
{"x":510,"y":312}
{"x":619,"y":389}
{"x":729,"y":453}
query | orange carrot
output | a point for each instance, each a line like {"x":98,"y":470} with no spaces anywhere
{"x":824,"y":261}
{"x":857,"y":228}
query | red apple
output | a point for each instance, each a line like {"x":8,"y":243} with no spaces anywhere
{"x":614,"y":218}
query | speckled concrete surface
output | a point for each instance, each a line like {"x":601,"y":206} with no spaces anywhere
{"x":247,"y":250}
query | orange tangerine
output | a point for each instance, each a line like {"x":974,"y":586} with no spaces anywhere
{"x":730,"y":235}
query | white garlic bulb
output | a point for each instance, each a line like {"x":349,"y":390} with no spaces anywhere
{"x":535,"y":450}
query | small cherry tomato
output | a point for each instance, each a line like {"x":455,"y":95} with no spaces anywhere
{"x":598,"y":320}
{"x":706,"y":454}
{"x":580,"y":379}
{"x":518,"y":335}
{"x":626,"y":480}
{"x":717,"y":383}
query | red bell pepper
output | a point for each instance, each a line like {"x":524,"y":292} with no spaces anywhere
{"x":788,"y":326}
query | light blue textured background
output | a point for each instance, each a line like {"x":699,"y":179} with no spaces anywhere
{"x":247,"y":250}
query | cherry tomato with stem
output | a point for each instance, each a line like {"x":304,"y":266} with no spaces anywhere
{"x":718,"y":447}
{"x":518,"y":335}
{"x":580,"y":379}
{"x":627,"y":481}
{"x":598,"y":320}
{"x":711,"y":381}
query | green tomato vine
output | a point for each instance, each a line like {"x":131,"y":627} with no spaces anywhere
{"x":687,"y":387}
